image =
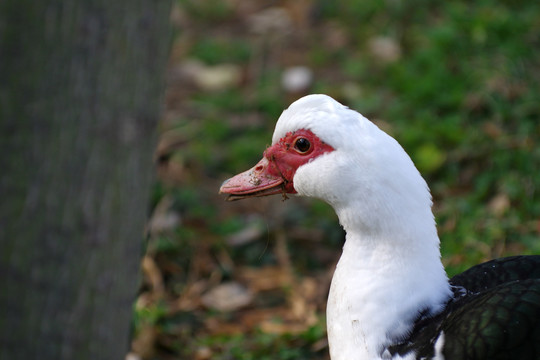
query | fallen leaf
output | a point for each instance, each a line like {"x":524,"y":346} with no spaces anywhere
{"x":499,"y":204}
{"x":385,"y":49}
{"x":272,"y":21}
{"x":264,"y":278}
{"x":143,"y":343}
{"x":153,"y":274}
{"x":203,"y":353}
{"x":227,"y":297}
{"x":296,"y":79}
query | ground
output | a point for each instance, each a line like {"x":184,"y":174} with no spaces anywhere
{"x":456,"y":83}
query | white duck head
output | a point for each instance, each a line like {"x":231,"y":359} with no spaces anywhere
{"x":323,"y":149}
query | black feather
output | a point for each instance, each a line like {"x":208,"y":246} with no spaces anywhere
{"x":493,"y":314}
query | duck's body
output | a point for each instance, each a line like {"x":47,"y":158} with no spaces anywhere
{"x":493,"y":313}
{"x":390,"y":297}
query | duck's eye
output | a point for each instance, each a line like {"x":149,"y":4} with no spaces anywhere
{"x":302,"y":145}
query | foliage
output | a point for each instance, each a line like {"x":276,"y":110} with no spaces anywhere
{"x":459,"y":91}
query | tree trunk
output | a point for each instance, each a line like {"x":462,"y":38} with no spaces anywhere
{"x":80,"y":94}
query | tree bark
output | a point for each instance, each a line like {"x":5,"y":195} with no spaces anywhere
{"x":80,"y":94}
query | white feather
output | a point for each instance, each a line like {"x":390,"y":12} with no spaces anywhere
{"x":390,"y":269}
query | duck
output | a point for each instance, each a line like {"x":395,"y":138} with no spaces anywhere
{"x":390,"y":296}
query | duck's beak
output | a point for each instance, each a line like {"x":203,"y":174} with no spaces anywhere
{"x":261,"y":180}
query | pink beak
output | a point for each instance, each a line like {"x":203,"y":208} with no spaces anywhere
{"x":261,"y":180}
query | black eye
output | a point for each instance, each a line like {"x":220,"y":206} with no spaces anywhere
{"x":302,"y":145}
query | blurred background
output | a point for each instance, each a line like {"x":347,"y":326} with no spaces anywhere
{"x":456,"y":83}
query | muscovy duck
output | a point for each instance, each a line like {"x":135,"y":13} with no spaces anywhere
{"x":390,"y":297}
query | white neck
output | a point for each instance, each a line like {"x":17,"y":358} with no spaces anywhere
{"x":389,"y":272}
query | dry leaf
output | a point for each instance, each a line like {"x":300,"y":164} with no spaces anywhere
{"x":499,"y":204}
{"x":264,"y":278}
{"x":272,"y":21}
{"x":203,"y":353}
{"x":227,"y":297}
{"x":143,"y":344}
{"x":296,"y":79}
{"x":153,"y":274}
{"x":385,"y":49}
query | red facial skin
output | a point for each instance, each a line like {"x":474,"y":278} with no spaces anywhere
{"x":275,"y":172}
